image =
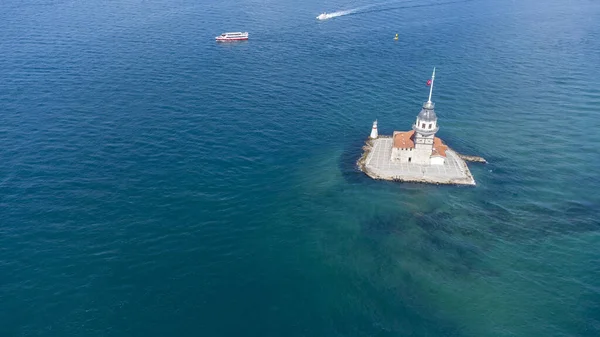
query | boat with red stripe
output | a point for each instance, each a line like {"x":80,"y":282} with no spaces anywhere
{"x":233,"y":36}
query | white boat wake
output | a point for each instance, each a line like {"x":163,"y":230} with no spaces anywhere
{"x":325,"y":16}
{"x":368,"y":8}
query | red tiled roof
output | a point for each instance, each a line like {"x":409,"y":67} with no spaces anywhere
{"x":439,"y":148}
{"x":404,"y":140}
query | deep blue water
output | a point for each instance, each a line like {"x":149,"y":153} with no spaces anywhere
{"x":155,"y":183}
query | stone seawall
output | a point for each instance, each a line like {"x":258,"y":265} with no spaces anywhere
{"x":474,"y":159}
{"x":363,"y":158}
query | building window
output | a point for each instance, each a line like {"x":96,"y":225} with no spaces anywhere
{"x":409,"y":158}
{"x":422,"y":125}
{"x":430,"y":125}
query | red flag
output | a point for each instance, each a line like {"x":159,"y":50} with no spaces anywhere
{"x":428,"y":82}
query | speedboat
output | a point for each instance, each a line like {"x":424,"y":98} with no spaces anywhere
{"x":235,"y":36}
{"x":323,"y":16}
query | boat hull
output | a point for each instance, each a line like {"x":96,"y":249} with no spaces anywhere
{"x":231,"y":39}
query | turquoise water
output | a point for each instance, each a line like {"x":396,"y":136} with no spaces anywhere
{"x":155,"y":183}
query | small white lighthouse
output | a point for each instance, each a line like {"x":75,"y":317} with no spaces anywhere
{"x":374,"y":133}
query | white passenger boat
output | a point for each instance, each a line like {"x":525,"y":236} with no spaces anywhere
{"x":235,"y":36}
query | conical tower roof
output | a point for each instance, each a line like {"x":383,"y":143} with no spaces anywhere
{"x":427,"y":114}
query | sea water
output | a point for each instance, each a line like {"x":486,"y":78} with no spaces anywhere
{"x":156,"y":183}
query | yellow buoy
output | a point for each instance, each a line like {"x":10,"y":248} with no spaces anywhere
{"x":396,"y":38}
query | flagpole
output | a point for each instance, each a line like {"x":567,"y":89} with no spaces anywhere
{"x":431,"y":88}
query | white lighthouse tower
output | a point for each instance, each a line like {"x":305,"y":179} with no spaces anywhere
{"x":374,"y":133}
{"x":425,"y":128}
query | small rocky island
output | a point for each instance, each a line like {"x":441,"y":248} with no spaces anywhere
{"x":416,"y":155}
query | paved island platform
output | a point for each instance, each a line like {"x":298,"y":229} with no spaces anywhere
{"x":375,"y":162}
{"x":416,"y":155}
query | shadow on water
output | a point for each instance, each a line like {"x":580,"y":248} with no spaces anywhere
{"x":384,"y":225}
{"x":511,"y":221}
{"x":390,"y":286}
{"x":536,"y":215}
{"x":435,"y":239}
{"x":347,"y":163}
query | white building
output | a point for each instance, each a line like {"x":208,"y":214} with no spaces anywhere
{"x":420,"y":146}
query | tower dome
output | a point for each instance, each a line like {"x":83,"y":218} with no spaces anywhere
{"x":426,"y":123}
{"x":427,"y":114}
